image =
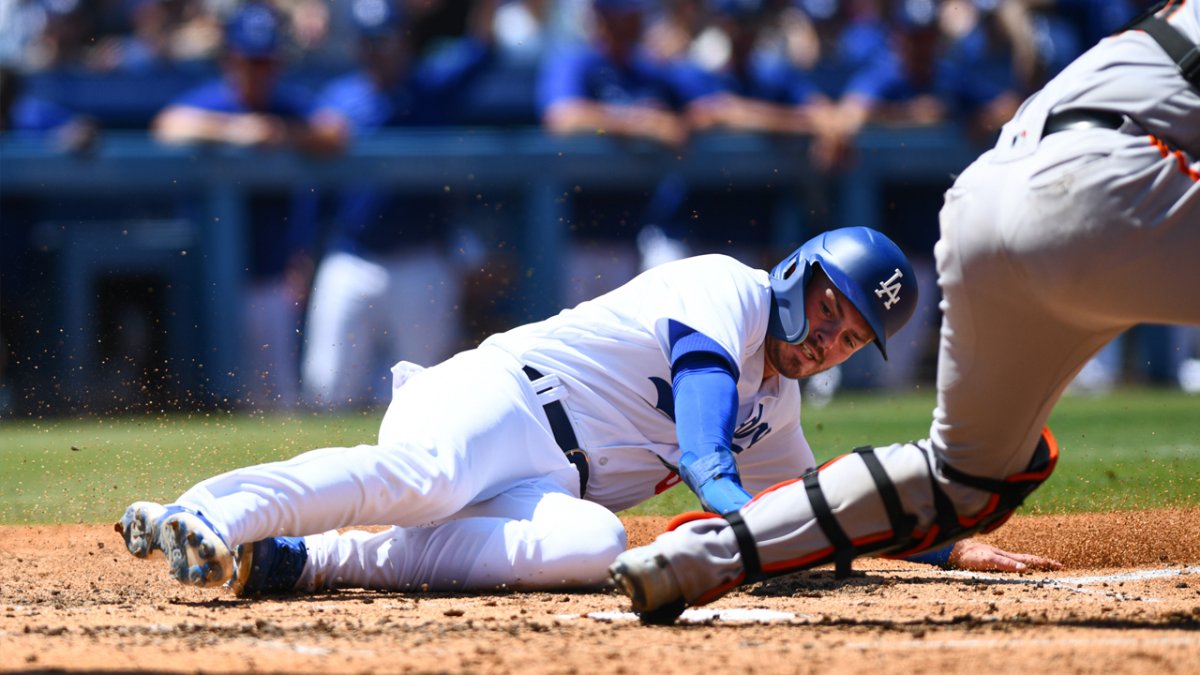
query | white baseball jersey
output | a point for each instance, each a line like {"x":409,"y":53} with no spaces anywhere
{"x":467,"y":468}
{"x":612,"y":355}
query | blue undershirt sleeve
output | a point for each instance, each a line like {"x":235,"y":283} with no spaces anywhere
{"x":705,"y":402}
{"x":704,"y":385}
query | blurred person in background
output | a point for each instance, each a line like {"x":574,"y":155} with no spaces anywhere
{"x":898,"y":86}
{"x":684,"y":29}
{"x":828,"y":40}
{"x":21,"y":25}
{"x":523,"y":30}
{"x":159,"y":33}
{"x":247,"y":107}
{"x":388,"y":288}
{"x":981,"y":64}
{"x":755,"y":91}
{"x":613,"y":86}
{"x":29,"y":115}
{"x":1049,"y":34}
{"x":62,"y":33}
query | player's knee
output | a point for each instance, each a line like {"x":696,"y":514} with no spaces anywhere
{"x":579,"y":555}
{"x":606,"y":538}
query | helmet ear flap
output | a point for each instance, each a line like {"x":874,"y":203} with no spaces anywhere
{"x":787,"y":320}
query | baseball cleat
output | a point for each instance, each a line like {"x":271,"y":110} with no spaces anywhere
{"x":197,"y":555}
{"x":269,"y":567}
{"x":139,"y":527}
{"x":652,"y":588}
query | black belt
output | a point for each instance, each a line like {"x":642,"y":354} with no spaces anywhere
{"x":564,"y":433}
{"x":1082,"y":118}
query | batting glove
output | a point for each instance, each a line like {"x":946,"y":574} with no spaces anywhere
{"x":714,"y":478}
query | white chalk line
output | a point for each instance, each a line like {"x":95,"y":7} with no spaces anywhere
{"x":1107,"y":642}
{"x":1138,"y":575}
{"x":305,"y":650}
{"x":1072,"y":584}
{"x":703,"y":615}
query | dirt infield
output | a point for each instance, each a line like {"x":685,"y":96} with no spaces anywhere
{"x":74,"y":600}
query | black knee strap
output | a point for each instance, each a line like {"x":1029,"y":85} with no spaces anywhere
{"x":902,"y":522}
{"x":1008,"y":490}
{"x":843,"y":549}
{"x":751,"y":563}
{"x":1011,"y":493}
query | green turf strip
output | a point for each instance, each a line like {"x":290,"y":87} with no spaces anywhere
{"x":1130,"y":450}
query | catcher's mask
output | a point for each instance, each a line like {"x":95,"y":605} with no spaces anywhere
{"x":867,"y":267}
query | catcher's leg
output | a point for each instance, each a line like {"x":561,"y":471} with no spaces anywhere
{"x":875,"y":501}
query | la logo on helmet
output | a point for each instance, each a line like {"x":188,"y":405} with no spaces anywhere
{"x":891,"y":289}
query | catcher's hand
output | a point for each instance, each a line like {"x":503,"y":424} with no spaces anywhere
{"x":975,"y":555}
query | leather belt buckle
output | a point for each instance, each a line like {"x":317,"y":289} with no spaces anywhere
{"x":564,"y":433}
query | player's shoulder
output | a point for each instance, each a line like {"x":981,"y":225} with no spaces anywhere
{"x":727,"y":281}
{"x":721,"y":264}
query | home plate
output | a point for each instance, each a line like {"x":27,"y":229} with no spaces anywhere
{"x":700,"y":616}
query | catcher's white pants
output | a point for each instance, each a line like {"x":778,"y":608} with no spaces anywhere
{"x":467,"y":470}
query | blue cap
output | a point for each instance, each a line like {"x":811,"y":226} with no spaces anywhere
{"x":253,"y":31}
{"x":376,"y":18}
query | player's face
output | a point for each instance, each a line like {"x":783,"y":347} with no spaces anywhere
{"x":835,"y":331}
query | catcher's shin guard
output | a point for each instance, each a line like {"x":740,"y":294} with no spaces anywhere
{"x":885,"y":502}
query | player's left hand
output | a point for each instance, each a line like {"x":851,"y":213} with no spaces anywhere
{"x":722,"y":495}
{"x":975,"y":555}
{"x":713,"y":476}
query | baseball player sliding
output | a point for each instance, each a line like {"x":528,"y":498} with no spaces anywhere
{"x":1083,"y":221}
{"x":502,"y":467}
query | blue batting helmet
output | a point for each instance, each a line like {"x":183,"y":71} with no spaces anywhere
{"x":867,"y":267}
